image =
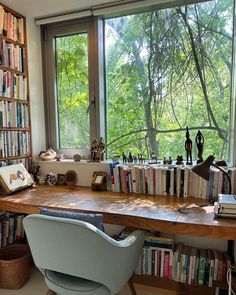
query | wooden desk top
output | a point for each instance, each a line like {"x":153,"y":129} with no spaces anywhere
{"x":158,"y":213}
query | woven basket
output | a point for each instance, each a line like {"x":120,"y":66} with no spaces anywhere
{"x":15,"y":264}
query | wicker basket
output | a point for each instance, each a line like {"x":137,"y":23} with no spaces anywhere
{"x":15,"y":264}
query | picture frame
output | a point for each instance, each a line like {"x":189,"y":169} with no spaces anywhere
{"x":61,"y":179}
{"x":71,"y":177}
{"x":99,"y":181}
{"x":14,"y":177}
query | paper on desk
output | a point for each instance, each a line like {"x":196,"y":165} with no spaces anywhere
{"x":192,"y":207}
{"x":208,"y":209}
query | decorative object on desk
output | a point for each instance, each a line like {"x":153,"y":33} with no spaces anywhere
{"x":59,"y":156}
{"x":97,"y":150}
{"x":130,"y":158}
{"x":179,"y":160}
{"x":34,"y":171}
{"x":70,"y":177}
{"x":153,"y":158}
{"x":115,"y":158}
{"x":41,"y":179}
{"x":199,"y":143}
{"x":99,"y":181}
{"x":101,"y":149}
{"x":48,"y":155}
{"x":203,"y":170}
{"x":77,"y":157}
{"x":51,"y":178}
{"x":124,"y":157}
{"x":188,"y":148}
{"x":61,"y":179}
{"x":14,"y":177}
{"x":169,"y":161}
{"x":164,"y":161}
{"x":140,"y":159}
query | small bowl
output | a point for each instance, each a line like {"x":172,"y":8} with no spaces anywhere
{"x":46,"y":158}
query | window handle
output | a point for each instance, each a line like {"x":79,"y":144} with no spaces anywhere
{"x":91,"y":104}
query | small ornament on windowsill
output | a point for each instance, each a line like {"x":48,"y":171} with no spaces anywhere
{"x":188,"y":148}
{"x":199,"y":143}
{"x":179,"y":160}
{"x":97,"y":150}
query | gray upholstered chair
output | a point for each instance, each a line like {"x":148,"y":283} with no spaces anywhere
{"x":77,"y":258}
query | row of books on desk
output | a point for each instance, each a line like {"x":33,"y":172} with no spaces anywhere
{"x":11,"y":228}
{"x":161,"y":180}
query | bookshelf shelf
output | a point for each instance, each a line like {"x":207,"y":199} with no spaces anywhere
{"x":13,"y":99}
{"x":16,"y":158}
{"x":14,"y":129}
{"x":12,"y":71}
{"x":15,"y":126}
{"x":11,"y":41}
{"x":180,"y":288}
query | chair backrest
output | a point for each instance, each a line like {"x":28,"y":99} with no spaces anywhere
{"x":77,"y":248}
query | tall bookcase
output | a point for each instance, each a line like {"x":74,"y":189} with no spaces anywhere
{"x":15,"y":127}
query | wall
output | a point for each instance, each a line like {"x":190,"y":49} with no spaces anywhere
{"x":36,"y":86}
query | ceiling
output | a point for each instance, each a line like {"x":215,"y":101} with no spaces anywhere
{"x":41,"y":8}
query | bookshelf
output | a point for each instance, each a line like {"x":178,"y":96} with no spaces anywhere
{"x":15,"y":127}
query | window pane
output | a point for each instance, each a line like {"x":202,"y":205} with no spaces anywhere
{"x":72,"y":90}
{"x":166,"y":70}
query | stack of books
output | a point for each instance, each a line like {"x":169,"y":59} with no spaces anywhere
{"x":226,"y":206}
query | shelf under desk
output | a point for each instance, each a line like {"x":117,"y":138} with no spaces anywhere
{"x":159,"y":213}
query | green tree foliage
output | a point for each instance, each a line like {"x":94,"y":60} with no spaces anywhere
{"x":72,"y":90}
{"x":166,"y":70}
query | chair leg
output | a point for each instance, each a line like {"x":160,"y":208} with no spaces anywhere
{"x":131,"y":286}
{"x":50,"y":292}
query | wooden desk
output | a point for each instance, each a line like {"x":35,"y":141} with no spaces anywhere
{"x":158,"y":213}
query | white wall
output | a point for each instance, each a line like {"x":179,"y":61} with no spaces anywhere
{"x":36,"y":86}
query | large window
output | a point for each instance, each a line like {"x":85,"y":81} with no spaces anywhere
{"x":69,"y":78}
{"x":166,"y":70}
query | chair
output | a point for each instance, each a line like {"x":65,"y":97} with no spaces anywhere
{"x":77,"y":258}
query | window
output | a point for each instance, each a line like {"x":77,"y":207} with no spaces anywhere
{"x":72,"y":90}
{"x":69,"y":79}
{"x":164,"y":70}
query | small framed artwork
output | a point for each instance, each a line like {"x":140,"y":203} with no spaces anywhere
{"x":61,"y":179}
{"x":99,"y":181}
{"x":70,"y":177}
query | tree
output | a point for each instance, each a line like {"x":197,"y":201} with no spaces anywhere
{"x":166,"y":70}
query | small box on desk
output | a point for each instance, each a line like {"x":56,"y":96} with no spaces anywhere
{"x":226,"y":206}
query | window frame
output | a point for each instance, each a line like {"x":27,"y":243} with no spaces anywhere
{"x":49,"y":32}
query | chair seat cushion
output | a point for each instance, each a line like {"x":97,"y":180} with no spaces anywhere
{"x":69,"y":285}
{"x":94,"y":219}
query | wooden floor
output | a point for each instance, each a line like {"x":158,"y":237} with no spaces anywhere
{"x":36,"y":286}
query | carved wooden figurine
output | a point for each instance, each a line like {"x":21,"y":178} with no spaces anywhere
{"x":188,"y":148}
{"x":199,"y":142}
